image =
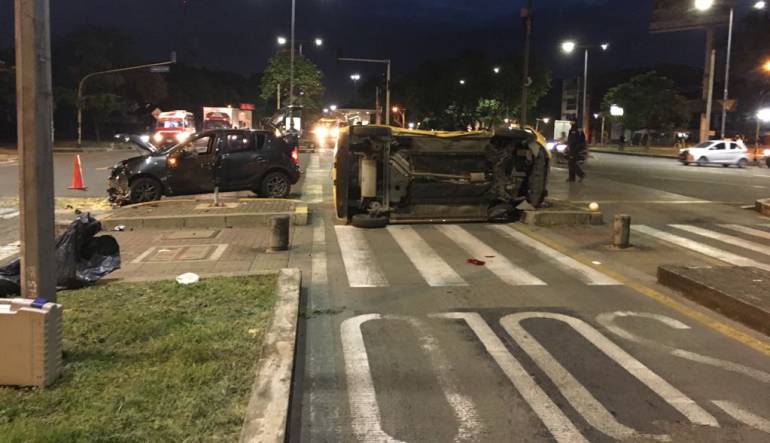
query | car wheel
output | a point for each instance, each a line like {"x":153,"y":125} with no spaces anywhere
{"x":367,"y":221}
{"x":275,"y":185}
{"x":686,"y":163}
{"x":703,"y":161}
{"x":742,"y":163}
{"x":725,"y":165}
{"x":145,"y":189}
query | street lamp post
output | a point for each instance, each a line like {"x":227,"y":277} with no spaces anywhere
{"x":526,"y":14}
{"x":82,"y":83}
{"x":387,"y":79}
{"x":291,"y":64}
{"x":568,"y":47}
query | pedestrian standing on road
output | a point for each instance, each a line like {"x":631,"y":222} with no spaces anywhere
{"x":576,"y":147}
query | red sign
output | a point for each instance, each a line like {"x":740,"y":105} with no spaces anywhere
{"x":247,"y":106}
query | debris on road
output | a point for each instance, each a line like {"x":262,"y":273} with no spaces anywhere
{"x":476,"y":262}
{"x":188,"y":278}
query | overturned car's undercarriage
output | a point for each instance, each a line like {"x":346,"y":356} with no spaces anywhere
{"x":389,"y":174}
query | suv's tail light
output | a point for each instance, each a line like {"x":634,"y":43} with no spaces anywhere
{"x":295,"y":155}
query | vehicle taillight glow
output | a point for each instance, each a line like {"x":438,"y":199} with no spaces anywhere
{"x":172,"y":162}
{"x":295,"y":155}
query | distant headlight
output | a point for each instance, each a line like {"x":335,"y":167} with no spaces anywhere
{"x":550,"y":145}
{"x":182,"y":136}
{"x":321,"y":131}
{"x":767,"y":152}
{"x":145,"y":138}
{"x":158,"y":137}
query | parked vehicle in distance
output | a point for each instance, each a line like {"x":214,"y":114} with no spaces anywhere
{"x":173,"y":127}
{"x":720,"y":152}
{"x":264,"y":162}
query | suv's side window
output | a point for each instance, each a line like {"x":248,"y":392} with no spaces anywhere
{"x":235,"y":142}
{"x":201,"y":145}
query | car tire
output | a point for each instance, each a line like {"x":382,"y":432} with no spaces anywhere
{"x":703,"y":161}
{"x":725,"y":165}
{"x":686,"y":163}
{"x":367,"y":221}
{"x":145,"y":189}
{"x":275,"y":185}
{"x":742,"y":163}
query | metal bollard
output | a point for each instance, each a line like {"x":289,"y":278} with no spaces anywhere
{"x":279,"y":233}
{"x":621,"y":231}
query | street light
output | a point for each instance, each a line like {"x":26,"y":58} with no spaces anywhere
{"x":568,"y":47}
{"x":496,"y":69}
{"x":462,"y":82}
{"x":282,"y":40}
{"x":703,"y":5}
{"x":617,"y":111}
{"x":319,"y":41}
{"x":760,"y":5}
{"x":766,"y":66}
{"x":333,"y":107}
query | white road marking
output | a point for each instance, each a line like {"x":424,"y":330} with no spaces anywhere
{"x":218,"y":252}
{"x":360,"y":264}
{"x":561,"y":428}
{"x":750,"y":231}
{"x":575,"y":393}
{"x":495,"y":262}
{"x":429,"y":264}
{"x":364,"y":409}
{"x":465,"y":411}
{"x":748,"y":418}
{"x":727,"y":257}
{"x":569,"y":265}
{"x":607,"y":320}
{"x":578,"y":396}
{"x":10,"y":215}
{"x":729,"y":239}
{"x":143,"y":255}
{"x":312,"y":190}
{"x":318,"y":263}
{"x":10,"y":250}
{"x":652,"y":202}
{"x":4,"y":211}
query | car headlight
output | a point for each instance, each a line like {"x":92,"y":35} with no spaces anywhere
{"x":550,"y":145}
{"x":321,"y":132}
{"x":182,"y":136}
{"x":145,"y":138}
{"x":158,"y":137}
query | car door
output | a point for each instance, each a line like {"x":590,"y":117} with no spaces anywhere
{"x":735,"y":153}
{"x":240,"y":160}
{"x":190,"y":167}
{"x":718,"y":153}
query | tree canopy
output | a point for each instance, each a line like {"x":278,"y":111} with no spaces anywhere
{"x":308,"y":81}
{"x":649,"y":101}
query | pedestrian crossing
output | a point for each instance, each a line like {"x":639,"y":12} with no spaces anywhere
{"x":751,"y":249}
{"x":439,"y":255}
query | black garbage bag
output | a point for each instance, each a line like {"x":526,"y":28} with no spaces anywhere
{"x":81,"y":257}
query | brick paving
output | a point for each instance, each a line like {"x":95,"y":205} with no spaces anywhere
{"x":177,"y":208}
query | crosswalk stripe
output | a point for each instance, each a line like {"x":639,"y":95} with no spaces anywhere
{"x":9,"y":214}
{"x":495,"y":262}
{"x":433,"y":268}
{"x":584,"y":273}
{"x":727,"y":257}
{"x":9,"y":250}
{"x":360,"y":264}
{"x":729,"y":239}
{"x":749,"y":231}
{"x":6,"y":210}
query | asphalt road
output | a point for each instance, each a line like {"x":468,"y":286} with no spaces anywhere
{"x":555,"y":338}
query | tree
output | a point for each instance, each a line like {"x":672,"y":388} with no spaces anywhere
{"x":104,"y":108}
{"x":649,"y":101}
{"x":308,"y":81}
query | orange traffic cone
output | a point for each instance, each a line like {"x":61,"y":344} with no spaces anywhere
{"x":77,"y":175}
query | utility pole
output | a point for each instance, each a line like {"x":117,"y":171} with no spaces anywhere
{"x":710,"y":92}
{"x":585,"y":120}
{"x":526,"y":14}
{"x":708,"y":78}
{"x":34,"y":97}
{"x":727,"y":73}
{"x":291,"y":65}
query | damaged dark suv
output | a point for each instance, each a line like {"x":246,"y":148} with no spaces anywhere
{"x":389,"y":175}
{"x":233,"y":160}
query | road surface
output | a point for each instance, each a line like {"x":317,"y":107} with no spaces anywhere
{"x":555,"y":338}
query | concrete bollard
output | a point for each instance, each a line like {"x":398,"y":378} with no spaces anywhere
{"x":279,"y":233}
{"x":621,"y":231}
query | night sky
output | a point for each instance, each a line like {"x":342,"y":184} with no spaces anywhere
{"x":240,"y":35}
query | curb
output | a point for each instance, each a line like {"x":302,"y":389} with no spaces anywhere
{"x":763,"y":206}
{"x":545,"y":217}
{"x":268,"y":409}
{"x":233,"y":220}
{"x":739,"y":309}
{"x":632,"y":154}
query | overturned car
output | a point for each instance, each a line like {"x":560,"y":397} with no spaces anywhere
{"x":384,"y":174}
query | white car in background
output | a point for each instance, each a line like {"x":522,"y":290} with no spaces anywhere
{"x":719,"y":152}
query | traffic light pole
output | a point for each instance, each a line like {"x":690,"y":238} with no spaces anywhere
{"x":34,"y":97}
